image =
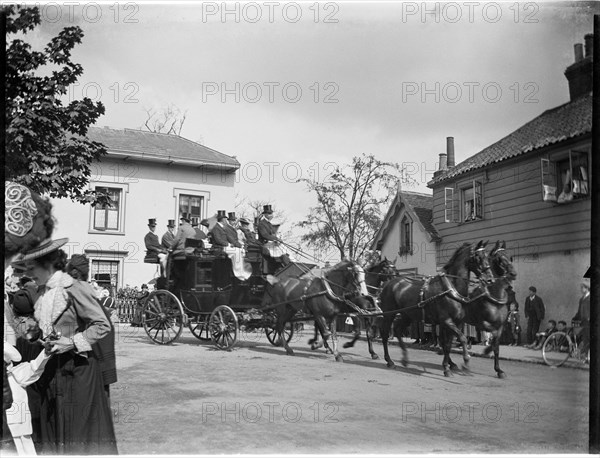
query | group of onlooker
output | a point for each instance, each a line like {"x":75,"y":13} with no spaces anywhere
{"x":58,"y":342}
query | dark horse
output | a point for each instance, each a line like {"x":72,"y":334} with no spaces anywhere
{"x":322,"y":297}
{"x":438,"y":300}
{"x":488,"y":307}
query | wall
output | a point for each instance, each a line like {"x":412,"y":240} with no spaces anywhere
{"x":150,"y":192}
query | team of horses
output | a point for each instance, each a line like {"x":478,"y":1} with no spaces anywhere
{"x":473,"y":287}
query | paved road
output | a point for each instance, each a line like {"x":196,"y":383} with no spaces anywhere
{"x":189,"y":398}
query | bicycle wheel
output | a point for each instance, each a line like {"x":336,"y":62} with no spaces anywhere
{"x":556,"y":349}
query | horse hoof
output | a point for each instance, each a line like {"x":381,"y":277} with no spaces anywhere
{"x":374,"y":356}
{"x":348,"y":345}
{"x":465,"y":368}
{"x":448,"y":374}
{"x":391,"y":364}
{"x":405,"y":362}
{"x":328,"y":351}
{"x":314,"y":346}
{"x":501,"y":374}
{"x":339,"y":359}
{"x":453,"y":367}
{"x":290,"y":352}
{"x":311,"y":341}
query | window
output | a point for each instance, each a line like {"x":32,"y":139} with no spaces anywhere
{"x":448,"y":205}
{"x":566,"y":178}
{"x":191,"y":205}
{"x":472,"y":202}
{"x":405,"y":236}
{"x":106,"y":273}
{"x":106,"y":216}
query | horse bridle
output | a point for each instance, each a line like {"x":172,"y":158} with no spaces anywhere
{"x":479,"y":263}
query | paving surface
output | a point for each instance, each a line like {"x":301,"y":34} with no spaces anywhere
{"x":190,"y":398}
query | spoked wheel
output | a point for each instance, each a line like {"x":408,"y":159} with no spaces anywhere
{"x":223,"y":327}
{"x":199,"y":328}
{"x":275,"y":337}
{"x":556,"y":349}
{"x":163,"y":318}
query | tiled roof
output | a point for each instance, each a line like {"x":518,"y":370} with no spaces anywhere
{"x":555,"y":125}
{"x":159,"y":147}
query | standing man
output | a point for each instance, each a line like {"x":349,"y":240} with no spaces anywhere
{"x":583,"y":313}
{"x":153,"y":248}
{"x":168,"y":236}
{"x":534,"y":312}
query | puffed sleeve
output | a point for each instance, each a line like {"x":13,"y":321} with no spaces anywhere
{"x":90,"y":312}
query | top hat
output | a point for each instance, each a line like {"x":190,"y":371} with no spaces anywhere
{"x":152,"y":222}
{"x":231,"y":216}
{"x":171,"y":223}
{"x":195,"y":221}
{"x":185,"y":216}
{"x":244,"y":220}
{"x":267,"y":209}
{"x":205,"y":223}
{"x":48,"y":246}
{"x":221,"y":214}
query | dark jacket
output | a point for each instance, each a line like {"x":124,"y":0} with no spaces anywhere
{"x":153,"y":246}
{"x":583,"y":313}
{"x":250,"y":237}
{"x":266,"y":231}
{"x":535,"y":308}
{"x":186,"y":231}
{"x":232,"y":235}
{"x":167,"y":239}
{"x":219,"y":236}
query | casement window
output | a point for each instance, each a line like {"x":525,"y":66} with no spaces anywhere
{"x":449,"y":204}
{"x":190,"y":204}
{"x":565,"y":177}
{"x":406,"y":240}
{"x":108,"y":216}
{"x":472,"y":201}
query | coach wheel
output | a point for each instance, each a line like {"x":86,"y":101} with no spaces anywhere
{"x":556,"y":349}
{"x":162,"y":317}
{"x":275,"y":337}
{"x":223,"y":327}
{"x":199,"y":328}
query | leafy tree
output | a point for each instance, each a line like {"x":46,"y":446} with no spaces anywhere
{"x":350,"y":203}
{"x":46,"y":144}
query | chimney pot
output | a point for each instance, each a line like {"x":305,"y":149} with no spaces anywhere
{"x":589,"y":44}
{"x":578,"y":52}
{"x":443,"y":161}
{"x":450,"y":151}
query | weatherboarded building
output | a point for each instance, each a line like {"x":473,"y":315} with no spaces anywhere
{"x":147,"y":175}
{"x":531,"y":189}
{"x":407,"y":234}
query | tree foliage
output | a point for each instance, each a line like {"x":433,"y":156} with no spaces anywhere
{"x":350,"y":204}
{"x":46,"y":144}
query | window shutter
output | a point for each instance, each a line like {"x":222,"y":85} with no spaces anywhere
{"x":449,"y":205}
{"x":548,"y":181}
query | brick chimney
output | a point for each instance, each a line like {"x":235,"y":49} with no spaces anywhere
{"x":579,"y":74}
{"x":450,"y":151}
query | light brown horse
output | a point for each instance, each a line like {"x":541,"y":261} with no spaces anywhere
{"x":438,"y":300}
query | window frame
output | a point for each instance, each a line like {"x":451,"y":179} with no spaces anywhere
{"x":124,"y":190}
{"x":466,"y":186}
{"x":406,"y":227}
{"x":204,"y":196}
{"x":552,"y":180}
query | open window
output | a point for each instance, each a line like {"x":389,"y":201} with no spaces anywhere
{"x":566,"y":177}
{"x":449,"y":205}
{"x":472,"y":201}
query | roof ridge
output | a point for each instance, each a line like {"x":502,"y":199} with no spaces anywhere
{"x":416,"y":193}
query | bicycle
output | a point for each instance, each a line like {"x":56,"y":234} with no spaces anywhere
{"x":561,"y":345}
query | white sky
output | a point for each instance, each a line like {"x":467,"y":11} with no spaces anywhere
{"x":370,"y":57}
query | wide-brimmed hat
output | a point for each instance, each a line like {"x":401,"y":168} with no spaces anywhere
{"x":45,"y":247}
{"x":171,"y":223}
{"x":267,"y":209}
{"x":152,"y":222}
{"x":185,"y":217}
{"x":244,"y":220}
